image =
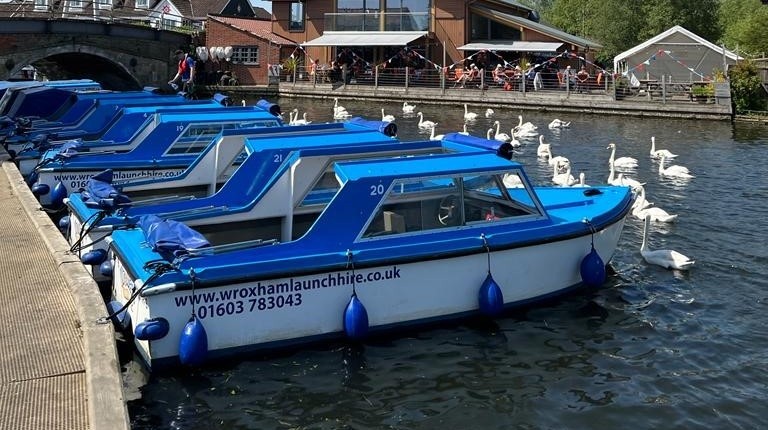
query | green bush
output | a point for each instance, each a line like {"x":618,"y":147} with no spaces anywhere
{"x":746,"y":89}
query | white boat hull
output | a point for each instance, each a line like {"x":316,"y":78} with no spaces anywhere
{"x":268,"y":313}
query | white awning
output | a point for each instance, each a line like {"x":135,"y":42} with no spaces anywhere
{"x":519,"y":46}
{"x":365,"y":38}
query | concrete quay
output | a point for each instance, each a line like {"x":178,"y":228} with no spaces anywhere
{"x":59,"y":368}
{"x":591,"y":102}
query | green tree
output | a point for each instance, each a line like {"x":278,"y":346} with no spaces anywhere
{"x":744,"y":26}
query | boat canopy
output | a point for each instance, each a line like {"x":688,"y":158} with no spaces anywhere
{"x":514,"y":46}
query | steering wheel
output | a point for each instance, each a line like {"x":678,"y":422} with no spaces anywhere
{"x":447,"y":213}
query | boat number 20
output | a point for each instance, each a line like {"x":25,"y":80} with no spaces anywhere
{"x":377,"y":190}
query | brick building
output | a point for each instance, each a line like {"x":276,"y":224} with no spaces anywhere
{"x":253,"y":49}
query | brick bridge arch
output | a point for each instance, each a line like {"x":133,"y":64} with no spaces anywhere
{"x":120,"y":56}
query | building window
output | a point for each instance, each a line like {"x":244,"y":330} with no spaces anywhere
{"x":297,"y":17}
{"x":245,"y":55}
{"x":104,"y":4}
{"x":143,"y":4}
{"x":75,"y":5}
{"x":41,"y":5}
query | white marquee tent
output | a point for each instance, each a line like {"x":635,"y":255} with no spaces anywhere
{"x":676,"y":54}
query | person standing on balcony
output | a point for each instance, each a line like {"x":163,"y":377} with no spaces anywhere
{"x":185,"y":72}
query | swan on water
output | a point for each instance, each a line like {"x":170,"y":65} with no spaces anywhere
{"x":302,"y":121}
{"x":558,"y":161}
{"x":425,"y":124}
{"x":501,"y":137}
{"x":626,"y":162}
{"x":469,"y":116}
{"x":622,"y":180}
{"x":489,"y":113}
{"x":465,"y":132}
{"x":432,"y":135}
{"x":666,"y":258}
{"x":564,"y":179}
{"x":408,"y":108}
{"x":242,"y":102}
{"x":660,"y":152}
{"x":543,"y":148}
{"x":654,"y":213}
{"x":336,"y":106}
{"x":513,"y":141}
{"x":557,"y":123}
{"x":524,"y":130}
{"x":641,"y":202}
{"x":582,"y":180}
{"x":386,"y":118}
{"x":673,"y":171}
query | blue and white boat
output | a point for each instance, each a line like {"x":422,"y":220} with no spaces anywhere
{"x":373,"y":246}
{"x":136,"y":126}
{"x":237,"y":201}
{"x":171,"y":160}
{"x":94,"y":123}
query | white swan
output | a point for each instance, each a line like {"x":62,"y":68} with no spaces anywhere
{"x":514,"y":142}
{"x":557,"y":123}
{"x":291,"y":117}
{"x":628,"y":182}
{"x":558,"y":161}
{"x":582,"y":180}
{"x":527,"y":126}
{"x":341,"y":114}
{"x":654,"y":213}
{"x":432,"y":135}
{"x":622,"y":180}
{"x":465,"y":132}
{"x":501,"y":137}
{"x":489,"y":134}
{"x":425,"y":124}
{"x":386,"y":118}
{"x":489,"y":113}
{"x":469,"y":116}
{"x":673,"y":171}
{"x":408,"y":108}
{"x":658,"y":153}
{"x":564,"y":179}
{"x":641,"y":202}
{"x":666,"y":258}
{"x":626,"y":162}
{"x":302,"y":121}
{"x":512,"y":180}
{"x":543,"y":148}
{"x":336,"y":106}
{"x":242,"y":102}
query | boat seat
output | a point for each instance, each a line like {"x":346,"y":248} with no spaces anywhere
{"x":394,"y":223}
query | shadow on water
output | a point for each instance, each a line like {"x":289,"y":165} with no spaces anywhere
{"x":653,"y":347}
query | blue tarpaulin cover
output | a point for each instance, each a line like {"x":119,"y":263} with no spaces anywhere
{"x":100,"y":193}
{"x":272,"y":108}
{"x":502,"y":149}
{"x":170,"y":238}
{"x":388,"y":128}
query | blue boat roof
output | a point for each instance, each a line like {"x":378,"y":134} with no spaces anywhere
{"x":441,"y":164}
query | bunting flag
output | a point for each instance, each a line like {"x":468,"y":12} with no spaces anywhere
{"x":661,"y":53}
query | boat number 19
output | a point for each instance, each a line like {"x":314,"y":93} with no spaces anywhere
{"x":377,"y":190}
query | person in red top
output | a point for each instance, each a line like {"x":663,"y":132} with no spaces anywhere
{"x":186,"y":71}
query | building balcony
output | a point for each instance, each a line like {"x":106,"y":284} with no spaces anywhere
{"x":377,"y":21}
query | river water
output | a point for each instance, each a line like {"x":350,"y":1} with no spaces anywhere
{"x":652,"y":349}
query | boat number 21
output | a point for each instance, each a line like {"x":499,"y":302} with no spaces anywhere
{"x":377,"y":190}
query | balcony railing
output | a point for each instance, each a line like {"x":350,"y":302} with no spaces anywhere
{"x":377,"y":21}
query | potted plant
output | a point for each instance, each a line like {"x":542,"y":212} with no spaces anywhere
{"x":701,"y":93}
{"x":289,"y":66}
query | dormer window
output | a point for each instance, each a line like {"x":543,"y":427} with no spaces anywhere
{"x":143,"y":4}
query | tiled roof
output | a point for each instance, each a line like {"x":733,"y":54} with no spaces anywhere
{"x":257,"y":27}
